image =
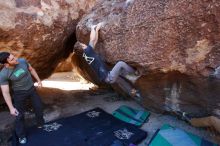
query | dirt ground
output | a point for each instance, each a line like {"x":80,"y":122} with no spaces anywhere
{"x":63,"y":103}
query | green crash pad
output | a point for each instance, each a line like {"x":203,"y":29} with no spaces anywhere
{"x":171,"y":136}
{"x":130,"y":115}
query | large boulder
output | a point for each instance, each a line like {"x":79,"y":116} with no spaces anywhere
{"x":158,"y":35}
{"x":159,"y":38}
{"x":42,"y":31}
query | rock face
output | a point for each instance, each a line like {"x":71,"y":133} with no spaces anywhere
{"x":161,"y":35}
{"x":159,"y":38}
{"x":42,"y":31}
{"x":177,"y":92}
{"x":66,"y":65}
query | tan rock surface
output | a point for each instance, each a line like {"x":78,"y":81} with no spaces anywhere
{"x":176,"y":43}
{"x":42,"y":31}
{"x":158,"y":35}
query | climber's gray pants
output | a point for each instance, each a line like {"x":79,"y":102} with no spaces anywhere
{"x":121,"y":68}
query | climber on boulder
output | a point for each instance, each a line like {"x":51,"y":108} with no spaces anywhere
{"x":120,"y":70}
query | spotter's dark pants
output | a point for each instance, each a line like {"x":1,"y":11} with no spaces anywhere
{"x":19,"y":100}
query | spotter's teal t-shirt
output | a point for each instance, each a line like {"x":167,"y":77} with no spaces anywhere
{"x":19,"y":77}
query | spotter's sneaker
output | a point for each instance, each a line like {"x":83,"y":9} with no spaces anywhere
{"x":23,"y":140}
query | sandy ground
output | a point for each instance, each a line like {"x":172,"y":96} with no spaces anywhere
{"x":64,"y":103}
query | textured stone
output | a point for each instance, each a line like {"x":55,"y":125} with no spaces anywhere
{"x":177,"y":92}
{"x":163,"y":35}
{"x":65,"y":65}
{"x":42,"y":31}
{"x":176,"y":43}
